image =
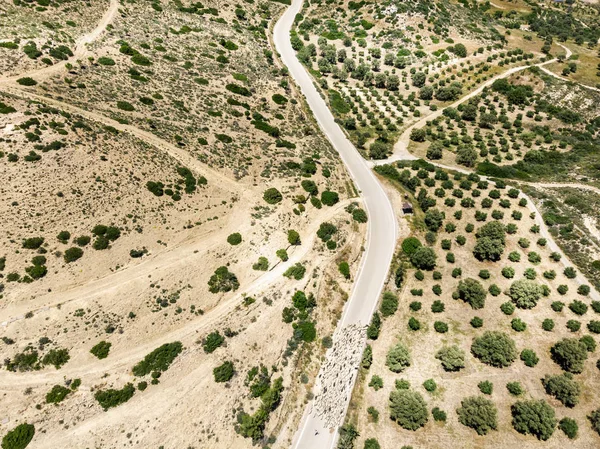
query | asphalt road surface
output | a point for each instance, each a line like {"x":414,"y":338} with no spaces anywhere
{"x":382,"y":226}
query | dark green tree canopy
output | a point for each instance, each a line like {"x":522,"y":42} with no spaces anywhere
{"x":478,"y":413}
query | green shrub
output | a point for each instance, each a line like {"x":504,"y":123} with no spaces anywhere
{"x":423,"y":258}
{"x":438,"y":415}
{"x":261,"y":265}
{"x":224,"y":372}
{"x":296,"y":271}
{"x":529,"y":357}
{"x":398,"y":358}
{"x":476,"y":322}
{"x":234,"y":239}
{"x":440,"y":327}
{"x":563,"y":387}
{"x":452,"y":358}
{"x":33,"y":242}
{"x":570,"y":354}
{"x":279,"y":99}
{"x":158,"y":360}
{"x":83,"y":240}
{"x":408,"y":409}
{"x":578,"y":307}
{"x":376,"y":383}
{"x":329,"y":198}
{"x":359,"y":215}
{"x":430,"y":385}
{"x":534,"y":417}
{"x":112,"y":398}
{"x":56,"y":358}
{"x":389,"y":304}
{"x":72,"y":254}
{"x":101,"y":349}
{"x":486,"y":387}
{"x":410,"y":245}
{"x":525,"y":293}
{"x":344,"y":269}
{"x":57,"y":394}
{"x":374,"y":327}
{"x":238,"y":90}
{"x":125,"y":106}
{"x":472,"y":292}
{"x":478,"y":413}
{"x":223,"y":281}
{"x":569,"y":427}
{"x":272,"y":196}
{"x":100,"y":243}
{"x":19,"y":437}
{"x":594,"y":418}
{"x":518,"y":325}
{"x":514,"y":388}
{"x":105,"y":60}
{"x":26,"y":81}
{"x":494,"y":348}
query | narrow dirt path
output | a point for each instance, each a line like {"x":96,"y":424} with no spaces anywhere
{"x":10,"y":380}
{"x":80,"y":51}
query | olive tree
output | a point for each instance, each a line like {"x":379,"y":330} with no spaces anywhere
{"x":563,"y":387}
{"x":534,"y":417}
{"x":452,"y":358}
{"x":525,"y":293}
{"x":423,"y":258}
{"x":495,"y":348}
{"x":408,"y":409}
{"x":478,"y":413}
{"x":472,"y":292}
{"x":398,"y":358}
{"x":570,"y":354}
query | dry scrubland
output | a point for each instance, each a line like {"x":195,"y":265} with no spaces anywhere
{"x":166,"y":196}
{"x":34,"y":35}
{"x":455,"y":281}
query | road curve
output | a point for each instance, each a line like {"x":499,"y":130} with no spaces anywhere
{"x":382,"y":226}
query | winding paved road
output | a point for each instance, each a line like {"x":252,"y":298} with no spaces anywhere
{"x":382,"y":227}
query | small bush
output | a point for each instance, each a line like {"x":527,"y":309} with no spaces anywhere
{"x":57,"y":394}
{"x":389,"y":304}
{"x":224,"y":372}
{"x":529,"y":357}
{"x":478,"y":413}
{"x":272,"y":196}
{"x":158,"y":360}
{"x":101,"y":349}
{"x":569,"y":427}
{"x":486,"y":387}
{"x":398,"y":358}
{"x":514,"y":388}
{"x":72,"y":254}
{"x":19,"y":437}
{"x":234,"y":239}
{"x":26,"y":81}
{"x":494,"y":348}
{"x":112,"y":398}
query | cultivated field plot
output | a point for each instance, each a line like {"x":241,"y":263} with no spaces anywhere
{"x":539,"y":125}
{"x":486,"y":334}
{"x":384,"y":66}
